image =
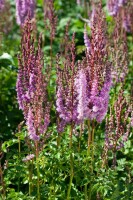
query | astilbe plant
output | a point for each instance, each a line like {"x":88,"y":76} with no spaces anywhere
{"x":50,"y":22}
{"x":114,"y":6}
{"x":24,"y":8}
{"x":119,"y":52}
{"x":66,"y":103}
{"x":98,"y":69}
{"x":127,"y":17}
{"x":124,"y":9}
{"x":5,"y":17}
{"x":32,"y":84}
{"x":2,"y":3}
{"x":50,"y":18}
{"x":118,"y":126}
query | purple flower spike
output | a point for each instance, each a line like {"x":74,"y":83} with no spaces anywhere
{"x":113,"y":7}
{"x":66,"y":95}
{"x":122,"y":2}
{"x":30,"y":126}
{"x":23,"y":9}
{"x":86,"y":40}
{"x":2,"y":4}
{"x":81,"y":86}
{"x":31,"y":85}
{"x":97,"y":69}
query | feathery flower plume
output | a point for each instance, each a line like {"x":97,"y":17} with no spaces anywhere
{"x":127,"y":17}
{"x":2,"y":4}
{"x":123,"y":8}
{"x":5,"y":17}
{"x":117,"y":126}
{"x":86,"y":40}
{"x":23,"y":9}
{"x":119,"y":52}
{"x":97,"y":69}
{"x":31,"y":85}
{"x":113,"y":7}
{"x":66,"y":103}
{"x":50,"y":18}
{"x":81,"y":87}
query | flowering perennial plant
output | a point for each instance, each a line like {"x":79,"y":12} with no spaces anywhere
{"x":124,"y":9}
{"x":119,"y":52}
{"x":66,"y":103}
{"x":118,"y":125}
{"x":50,"y":18}
{"x":24,"y":8}
{"x":31,"y":85}
{"x":5,"y":17}
{"x":114,"y":6}
{"x":97,"y":70}
{"x":2,"y":3}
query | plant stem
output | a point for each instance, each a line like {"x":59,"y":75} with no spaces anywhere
{"x":30,"y":177}
{"x":86,"y":195}
{"x":2,"y":183}
{"x":90,"y":147}
{"x":80,"y":134}
{"x":71,"y":164}
{"x":38,"y":172}
{"x":51,"y":52}
{"x":71,"y":177}
{"x":19,"y":146}
{"x":89,"y":136}
{"x":89,"y":197}
{"x":93,"y":126}
{"x":19,"y":151}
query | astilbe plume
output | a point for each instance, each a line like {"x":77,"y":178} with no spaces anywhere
{"x":114,"y":6}
{"x":2,"y":4}
{"x":127,"y":16}
{"x":24,"y":8}
{"x":50,"y":18}
{"x":119,"y":52}
{"x":66,"y":102}
{"x":124,"y":8}
{"x":118,"y":126}
{"x":5,"y":17}
{"x":98,"y":69}
{"x":31,"y":85}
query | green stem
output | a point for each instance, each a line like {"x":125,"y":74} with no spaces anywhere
{"x":89,"y":197}
{"x":51,"y":52}
{"x":93,"y":126}
{"x":38,"y":172}
{"x":71,"y":177}
{"x":89,"y":136}
{"x":80,"y":135}
{"x":19,"y":151}
{"x":90,"y":147}
{"x":86,"y":195}
{"x":2,"y":183}
{"x":30,"y":177}
{"x":58,"y":140}
{"x":71,"y":165}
